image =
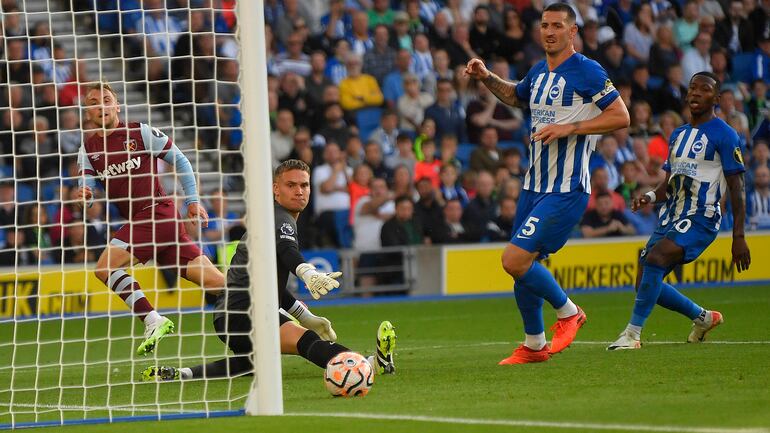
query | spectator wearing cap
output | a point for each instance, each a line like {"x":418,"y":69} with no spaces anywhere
{"x":379,"y":60}
{"x":358,"y":90}
{"x":412,"y":104}
{"x":697,"y":58}
{"x":401,"y":38}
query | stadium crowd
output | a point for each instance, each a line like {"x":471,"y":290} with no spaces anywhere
{"x":404,"y":148}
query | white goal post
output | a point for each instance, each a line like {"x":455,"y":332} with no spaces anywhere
{"x":68,"y":342}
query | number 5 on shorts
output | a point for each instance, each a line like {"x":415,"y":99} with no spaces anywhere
{"x":529,"y":226}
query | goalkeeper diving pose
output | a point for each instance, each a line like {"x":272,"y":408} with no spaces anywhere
{"x":313,"y":339}
{"x":124,"y":158}
{"x":704,"y":160}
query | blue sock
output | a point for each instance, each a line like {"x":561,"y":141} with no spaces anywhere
{"x":540,"y":281}
{"x":531,"y":308}
{"x":649,"y":291}
{"x":675,"y":301}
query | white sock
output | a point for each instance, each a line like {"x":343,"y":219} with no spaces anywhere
{"x":535,"y":342}
{"x":567,"y":310}
{"x":635,"y":331}
{"x":152,"y":317}
{"x":185,"y":373}
{"x":702,"y":317}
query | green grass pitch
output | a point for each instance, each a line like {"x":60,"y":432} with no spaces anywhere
{"x":447,"y":380}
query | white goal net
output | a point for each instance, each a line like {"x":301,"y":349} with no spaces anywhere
{"x":68,"y":337}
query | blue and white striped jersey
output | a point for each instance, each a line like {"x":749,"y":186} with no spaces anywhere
{"x":578,"y":89}
{"x":699,"y":159}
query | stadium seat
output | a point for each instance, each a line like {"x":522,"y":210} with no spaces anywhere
{"x":368,"y":119}
{"x":464,"y":151}
{"x":24,"y":193}
{"x":742,"y":64}
{"x":655,"y":82}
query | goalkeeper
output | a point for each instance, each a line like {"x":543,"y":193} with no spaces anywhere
{"x":313,"y":339}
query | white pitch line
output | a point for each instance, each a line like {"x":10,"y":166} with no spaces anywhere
{"x":586,"y":343}
{"x":69,"y":407}
{"x":534,"y":423}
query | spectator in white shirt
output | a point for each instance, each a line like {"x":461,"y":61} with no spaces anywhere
{"x":697,"y":58}
{"x":330,"y":193}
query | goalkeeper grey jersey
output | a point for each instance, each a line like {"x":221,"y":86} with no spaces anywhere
{"x":236,"y":294}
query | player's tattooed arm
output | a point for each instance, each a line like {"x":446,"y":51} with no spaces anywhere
{"x":504,"y":90}
{"x":740,"y":250}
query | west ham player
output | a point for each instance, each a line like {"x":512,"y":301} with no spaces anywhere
{"x":123,"y":157}
{"x":704,"y":158}
{"x":313,"y":339}
{"x":571,"y":100}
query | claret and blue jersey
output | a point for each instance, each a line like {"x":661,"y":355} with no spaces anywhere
{"x":578,"y":89}
{"x":699,"y":159}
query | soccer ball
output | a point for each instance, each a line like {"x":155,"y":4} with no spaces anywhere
{"x":349,"y":374}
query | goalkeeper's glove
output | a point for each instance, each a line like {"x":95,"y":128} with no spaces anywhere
{"x":320,"y":325}
{"x":318,"y":283}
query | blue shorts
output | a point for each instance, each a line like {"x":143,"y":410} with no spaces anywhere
{"x":544,"y":221}
{"x":693,"y":233}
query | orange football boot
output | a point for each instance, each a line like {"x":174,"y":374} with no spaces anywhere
{"x":525,"y":355}
{"x":564,"y":331}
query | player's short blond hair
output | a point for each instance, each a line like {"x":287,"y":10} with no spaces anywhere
{"x":102,"y":86}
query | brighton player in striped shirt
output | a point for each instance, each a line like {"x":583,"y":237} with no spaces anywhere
{"x":123,"y":156}
{"x":571,"y":100}
{"x":704,"y":155}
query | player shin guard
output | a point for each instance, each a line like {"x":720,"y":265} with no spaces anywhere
{"x":540,"y":281}
{"x":648,"y":294}
{"x":674,"y":300}
{"x":531,"y":308}
{"x":311,"y":347}
{"x":128,"y":289}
